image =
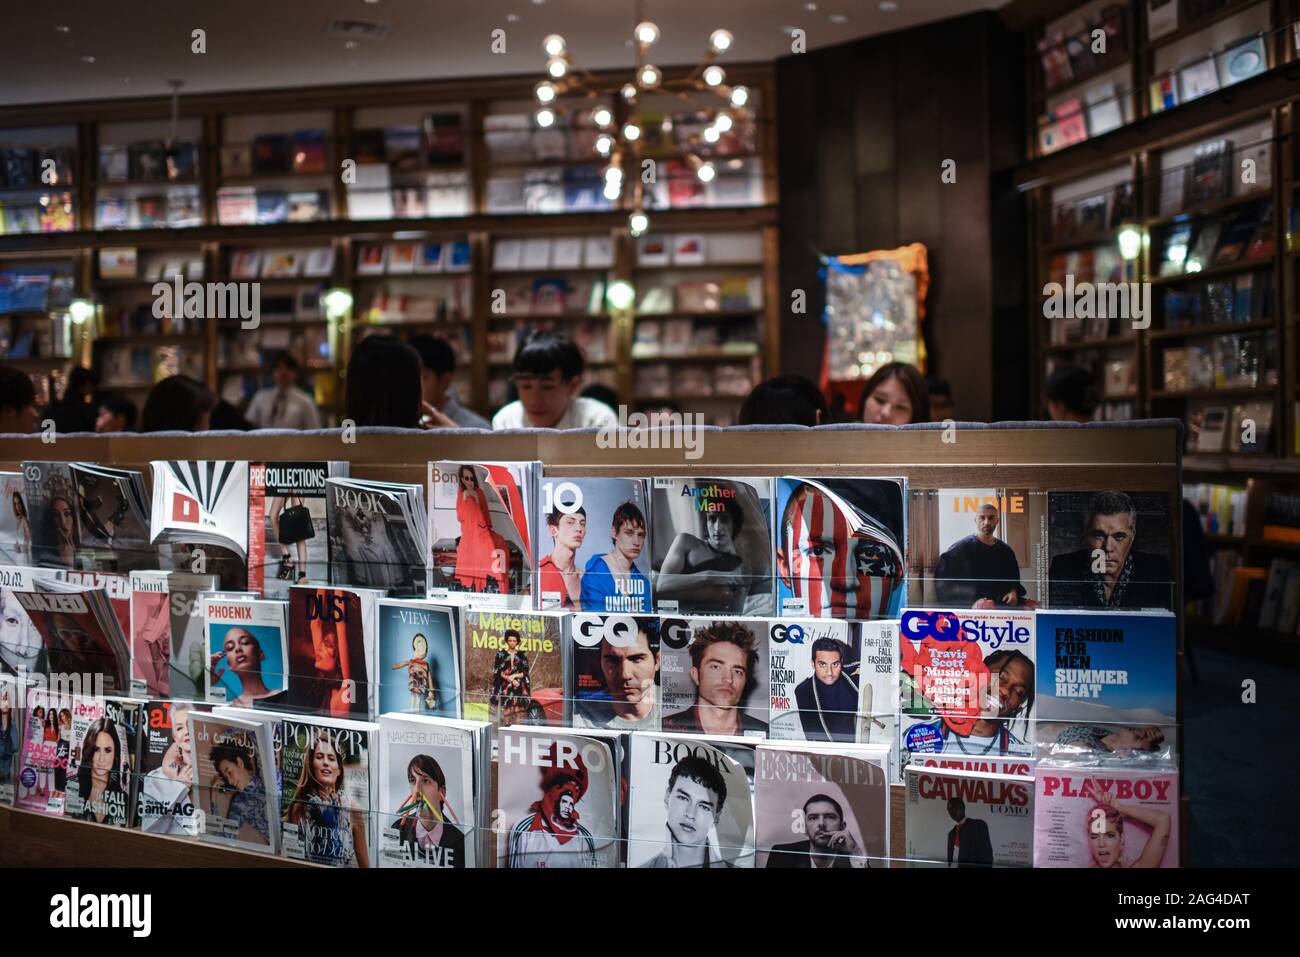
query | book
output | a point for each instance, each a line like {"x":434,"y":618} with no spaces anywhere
{"x":1211,"y":172}
{"x":1104,"y":109}
{"x":969,"y":818}
{"x":1162,"y":18}
{"x":1105,"y":817}
{"x":234,"y":787}
{"x":514,"y":668}
{"x":371,"y":259}
{"x":306,"y":207}
{"x":401,"y":257}
{"x":236,"y":205}
{"x":327,"y":768}
{"x":443,"y":139}
{"x":272,"y":206}
{"x":1243,"y":60}
{"x":1197,"y":79}
{"x":236,"y":160}
{"x":308,"y":151}
{"x":272,"y":153}
{"x":201,"y":503}
{"x":147,"y":162}
{"x":403,"y":146}
{"x":377,"y":535}
{"x":247,"y":647}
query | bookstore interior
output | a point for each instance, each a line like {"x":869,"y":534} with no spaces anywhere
{"x":326,"y":333}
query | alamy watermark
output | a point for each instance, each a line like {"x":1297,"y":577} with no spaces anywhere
{"x":210,"y":300}
{"x":1130,"y":301}
{"x":655,"y":430}
{"x":86,"y":685}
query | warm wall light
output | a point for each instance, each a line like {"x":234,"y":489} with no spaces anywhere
{"x":620,"y":294}
{"x":720,"y":41}
{"x":545,"y":92}
{"x":647,"y":33}
{"x":638,"y":223}
{"x":715,"y":76}
{"x":553,"y":45}
{"x":1130,"y":243}
{"x":80,"y":310}
{"x":337,"y":303}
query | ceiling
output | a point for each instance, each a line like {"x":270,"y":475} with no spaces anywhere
{"x":91,"y":49}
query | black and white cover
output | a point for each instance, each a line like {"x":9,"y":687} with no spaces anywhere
{"x":959,"y":818}
{"x":714,"y":676}
{"x":248,"y":650}
{"x":327,"y":772}
{"x":165,"y":803}
{"x":15,"y":521}
{"x":22,"y":649}
{"x":711,"y":546}
{"x":112,"y":518}
{"x":816,"y":666}
{"x":188,"y":660}
{"x":81,"y":632}
{"x":692,"y":801}
{"x":234,"y":790}
{"x":557,"y":791}
{"x":377,"y":535}
{"x":52,"y":514}
{"x":612,"y":671}
{"x":201,"y":502}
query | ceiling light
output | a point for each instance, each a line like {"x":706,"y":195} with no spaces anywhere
{"x":706,"y":172}
{"x":604,"y":144}
{"x":602,"y":116}
{"x":545,"y":92}
{"x":649,"y":76}
{"x":810,"y":7}
{"x":62,"y":29}
{"x":553,"y":45}
{"x":714,"y":76}
{"x":723,"y":122}
{"x":838,"y":18}
{"x":720,"y":40}
{"x":512,"y":18}
{"x":711,"y":134}
{"x":888,"y":6}
{"x":631,"y":131}
{"x":646,"y":33}
{"x":557,"y":67}
{"x":638,"y":223}
{"x":613,"y":190}
{"x":87,"y":59}
{"x":545,"y":117}
{"x":613,"y":174}
{"x":739,"y":96}
{"x":350,"y":45}
{"x":629,"y":91}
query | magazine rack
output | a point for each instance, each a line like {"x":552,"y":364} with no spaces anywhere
{"x":1142,"y":456}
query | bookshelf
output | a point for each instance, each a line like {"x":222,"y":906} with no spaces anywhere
{"x":268,"y":174}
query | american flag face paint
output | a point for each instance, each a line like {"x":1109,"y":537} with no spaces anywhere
{"x":840,"y":574}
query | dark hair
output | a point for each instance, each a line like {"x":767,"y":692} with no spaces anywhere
{"x":602,"y":393}
{"x":101,"y":726}
{"x":998,"y":659}
{"x":544,"y":352}
{"x":731,"y":508}
{"x":512,"y":632}
{"x":228,"y":418}
{"x":554,"y":515}
{"x":913,"y":385}
{"x":235,"y":754}
{"x":121,"y":405}
{"x":826,"y":643}
{"x":286,"y":359}
{"x":473,"y":476}
{"x":648,"y":627}
{"x":16,"y":389}
{"x":1110,"y":503}
{"x":428,"y":766}
{"x":627,"y":514}
{"x":435,"y":354}
{"x":383,"y":383}
{"x":702,"y":773}
{"x":959,"y":802}
{"x":81,"y":383}
{"x":785,"y":400}
{"x":1073,"y":387}
{"x":176,"y":404}
{"x":825,"y":799}
{"x":730,"y":632}
{"x":936,"y":386}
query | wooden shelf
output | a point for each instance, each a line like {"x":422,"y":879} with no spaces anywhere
{"x":703,"y":313}
{"x":1214,"y":393}
{"x":1240,"y":463}
{"x":1211,"y":272}
{"x":147,"y":337}
{"x":1214,"y":329}
{"x":694,"y":267}
{"x":1120,"y":60}
{"x":711,"y":355}
{"x":1208,"y":209}
{"x":1200,"y":23}
{"x":535,"y":316}
{"x":1065,"y":245}
{"x":1107,"y":343}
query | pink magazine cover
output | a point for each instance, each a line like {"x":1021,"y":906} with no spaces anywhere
{"x":1105,"y":817}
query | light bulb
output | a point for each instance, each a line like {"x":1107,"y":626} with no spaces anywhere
{"x":557,"y":67}
{"x":711,"y":134}
{"x":723,"y":122}
{"x":1130,"y":243}
{"x":739,"y":96}
{"x":647,"y":33}
{"x":553,"y":45}
{"x":337,"y":302}
{"x":545,"y":92}
{"x":604,"y":143}
{"x":638,"y":223}
{"x":629,"y":91}
{"x":706,"y":172}
{"x":620,"y":294}
{"x":613,"y":190}
{"x":720,"y":40}
{"x":649,"y":75}
{"x":545,"y":117}
{"x":613,"y":174}
{"x":602,"y":116}
{"x":80,"y":310}
{"x":714,"y":76}
{"x":631,"y":131}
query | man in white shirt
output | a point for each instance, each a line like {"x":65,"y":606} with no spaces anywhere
{"x":548,"y":374}
{"x":283,"y":405}
{"x":437,"y":369}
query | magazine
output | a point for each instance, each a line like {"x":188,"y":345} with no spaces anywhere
{"x":815,"y":686}
{"x":418,"y":670}
{"x":969,"y":818}
{"x":715,"y":675}
{"x":612,"y":667}
{"x":13,"y":697}
{"x":514,"y":668}
{"x":288,"y":541}
{"x":711,"y":546}
{"x":1090,"y":817}
{"x":166,"y":769}
{"x":188,"y":660}
{"x":102,"y":761}
{"x":326,"y":770}
{"x":22,"y":649}
{"x":331,"y":637}
{"x":112,"y":518}
{"x":201,"y":503}
{"x":15,"y":521}
{"x":46,"y":747}
{"x":376,"y":535}
{"x":247,"y":647}
{"x":83,"y":639}
{"x":234,"y":788}
{"x":151,"y":641}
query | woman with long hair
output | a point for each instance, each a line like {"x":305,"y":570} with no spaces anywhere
{"x":8,"y":740}
{"x":61,"y":519}
{"x":242,"y":654}
{"x":99,"y":775}
{"x":48,"y":772}
{"x":425,"y":820}
{"x":65,"y":750}
{"x":331,"y":689}
{"x":1107,"y":835}
{"x":23,"y":526}
{"x":480,"y":551}
{"x":332,"y":830}
{"x":178,"y":404}
{"x":895,"y":395}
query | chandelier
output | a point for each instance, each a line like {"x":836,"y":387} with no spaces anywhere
{"x":620,"y":135}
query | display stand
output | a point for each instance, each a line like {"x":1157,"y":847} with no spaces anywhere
{"x":1138,"y":456}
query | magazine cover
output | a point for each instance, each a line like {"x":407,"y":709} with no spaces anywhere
{"x":613,"y":671}
{"x":419,"y":658}
{"x":46,"y":748}
{"x":288,"y":539}
{"x":822,"y":807}
{"x":480,"y":531}
{"x":201,"y":503}
{"x":840,"y":547}
{"x":969,"y":818}
{"x":878,"y":679}
{"x":1091,"y":817}
{"x":188,"y":659}
{"x":376,"y":535}
{"x":328,"y":671}
{"x":557,"y":795}
{"x":150,"y":635}
{"x":234,"y":786}
{"x":427,"y":804}
{"x":514,"y":668}
{"x":816,"y":685}
{"x":15,"y":521}
{"x":1109,"y":550}
{"x":82,"y":636}
{"x":247,"y":650}
{"x":52,"y":513}
{"x":977,"y":548}
{"x":711,"y":546}
{"x":1014,"y":765}
{"x":1113,"y":690}
{"x":594,"y":554}
{"x":966,"y":683}
{"x":112,"y":518}
{"x":22,"y":649}
{"x":714,"y":675}
{"x":116,"y":585}
{"x":167,"y":769}
{"x":325,"y":805}
{"x":690,"y":804}
{"x":102,"y":760}
{"x":13,"y":694}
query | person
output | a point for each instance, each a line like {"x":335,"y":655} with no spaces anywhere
{"x":828,"y":699}
{"x":558,"y":573}
{"x":550,"y":834}
{"x":419,"y":676}
{"x":99,"y":775}
{"x":165,"y":806}
{"x":373,"y":558}
{"x":722,"y":666}
{"x":283,"y":405}
{"x":512,"y":690}
{"x":1071,"y":395}
{"x":239,"y":776}
{"x":117,"y":413}
{"x":287,"y":537}
{"x":226,"y":417}
{"x":61,"y":528}
{"x":1129,"y":578}
{"x":22,"y":526}
{"x":1111,"y":739}
{"x":829,"y":842}
{"x":1009,"y":698}
{"x":969,"y":837}
{"x":21,"y":646}
{"x":895,"y":395}
{"x":329,"y":689}
{"x":838,"y":572}
{"x":383,"y":384}
{"x":480,"y":551}
{"x":437,"y":370}
{"x":941,"y":404}
{"x":332,"y":829}
{"x":602,"y":393}
{"x":8,"y":731}
{"x":629,"y":673}
{"x":708,"y":573}
{"x":784,"y":400}
{"x":151,"y":637}
{"x":178,"y":404}
{"x":51,"y":769}
{"x":18,"y":412}
{"x":76,"y":411}
{"x":548,"y":374}
{"x":1107,"y":837}
{"x":693,"y":801}
{"x":611,"y":582}
{"x":64,"y":750}
{"x":426,"y":824}
{"x":981,"y":571}
{"x":242,"y":653}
